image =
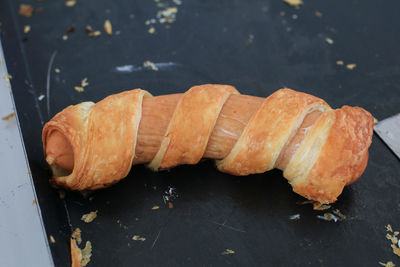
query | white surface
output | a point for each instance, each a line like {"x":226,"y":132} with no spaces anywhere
{"x":23,"y":241}
{"x":389,"y":131}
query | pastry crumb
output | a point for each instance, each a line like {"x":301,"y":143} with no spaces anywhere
{"x":319,"y":206}
{"x":61,"y":194}
{"x":70,"y":29}
{"x":351,"y":66}
{"x":318,"y":14}
{"x":79,"y":89}
{"x":34,"y":202}
{"x":80,"y":257}
{"x":7,"y":77}
{"x":56,"y":70}
{"x":52,"y":240}
{"x":152,"y":30}
{"x":138,"y":238}
{"x":25,"y":10}
{"x":88,"y":218}
{"x":9,"y":116}
{"x":27,"y":28}
{"x":329,"y":40}
{"x":170,"y":205}
{"x":339,"y":213}
{"x":155,"y":207}
{"x":396,"y":250}
{"x":293,"y":3}
{"x":70,"y":3}
{"x":394,"y":239}
{"x":151,"y":65}
{"x":395,"y":242}
{"x":94,"y":33}
{"x":108,"y":27}
{"x":65,"y":37}
{"x":228,"y":251}
{"x":340,"y":63}
{"x":84,"y":82}
{"x":77,"y":235}
{"x":89,"y":29}
{"x":328,"y":217}
{"x":387,"y":264}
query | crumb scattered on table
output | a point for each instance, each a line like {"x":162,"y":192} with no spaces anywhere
{"x":80,"y":257}
{"x":319,"y":206}
{"x":155,"y":207}
{"x":65,"y":37}
{"x":387,"y":264}
{"x":149,"y":64}
{"x":70,"y":29}
{"x":108,"y":27}
{"x":138,"y":238}
{"x":228,"y":251}
{"x":89,"y":29}
{"x":351,"y":66}
{"x":329,"y":40}
{"x":52,"y":240}
{"x":392,"y":238}
{"x":84,"y":82}
{"x":79,"y":89}
{"x":94,"y":33}
{"x":170,"y":205}
{"x":294,"y":217}
{"x":152,"y":30}
{"x":9,"y":116}
{"x":77,"y":235}
{"x":27,"y":28}
{"x":25,"y":10}
{"x":328,"y":217}
{"x":7,"y":77}
{"x":293,"y":3}
{"x":88,"y":218}
{"x":395,"y":242}
{"x":318,"y":14}
{"x":340,"y":63}
{"x":70,"y":3}
{"x":57,"y":70}
{"x":61,"y":194}
{"x":34,"y":202}
{"x":396,"y":249}
{"x":339,"y":213}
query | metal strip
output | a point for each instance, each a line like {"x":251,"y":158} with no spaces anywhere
{"x":23,"y":240}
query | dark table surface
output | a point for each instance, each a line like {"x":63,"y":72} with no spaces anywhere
{"x":257,"y":46}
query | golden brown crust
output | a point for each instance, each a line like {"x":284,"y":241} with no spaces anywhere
{"x":191,"y":124}
{"x":268,"y":131}
{"x":343,"y":157}
{"x":332,"y":153}
{"x":103,"y":137}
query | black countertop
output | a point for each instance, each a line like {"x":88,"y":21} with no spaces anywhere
{"x":257,"y":46}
